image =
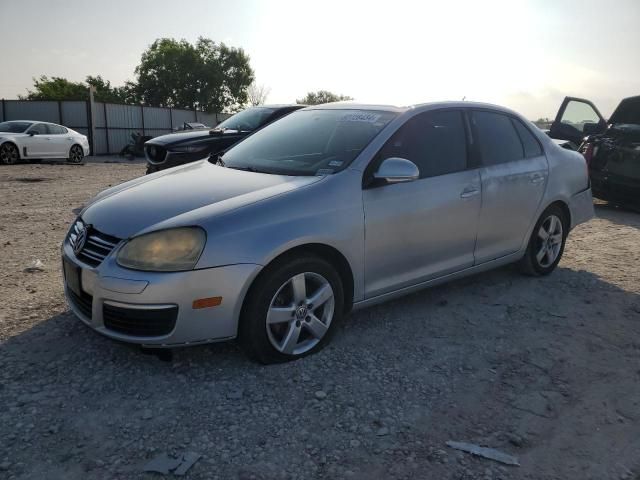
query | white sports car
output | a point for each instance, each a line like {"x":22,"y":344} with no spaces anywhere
{"x":26,"y":140}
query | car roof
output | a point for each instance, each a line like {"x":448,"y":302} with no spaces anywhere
{"x":418,"y":106}
{"x":32,"y":121}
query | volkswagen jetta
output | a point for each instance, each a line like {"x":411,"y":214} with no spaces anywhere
{"x":330,"y":208}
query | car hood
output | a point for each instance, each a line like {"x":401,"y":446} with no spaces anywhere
{"x":186,"y":137}
{"x":139,"y":205}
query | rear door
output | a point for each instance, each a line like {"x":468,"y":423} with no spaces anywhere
{"x":575,"y":119}
{"x":513,"y":175}
{"x":60,"y":141}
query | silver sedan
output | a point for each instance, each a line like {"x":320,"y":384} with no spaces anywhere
{"x":331,"y":208}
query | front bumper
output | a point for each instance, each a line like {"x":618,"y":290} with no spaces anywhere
{"x":154,"y":297}
{"x":581,"y":207}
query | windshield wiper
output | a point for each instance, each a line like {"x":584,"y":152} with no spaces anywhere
{"x":251,"y":169}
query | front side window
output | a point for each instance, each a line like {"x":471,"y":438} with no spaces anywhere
{"x":14,"y":127}
{"x":308,"y":142}
{"x":434,"y":141}
{"x":40,"y":129}
{"x":577,"y":114}
{"x":497,"y":137}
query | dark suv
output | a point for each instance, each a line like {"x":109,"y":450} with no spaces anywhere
{"x":611,"y":148}
{"x":179,"y":148}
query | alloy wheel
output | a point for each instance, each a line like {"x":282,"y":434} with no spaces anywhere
{"x":549,"y":241}
{"x":8,"y":154}
{"x":300,"y":313}
{"x":76,"y":154}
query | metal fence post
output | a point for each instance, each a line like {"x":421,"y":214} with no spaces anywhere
{"x":4,"y":110}
{"x":170,"y":119}
{"x":106,"y":127}
{"x":60,"y":113}
{"x":142,"y":116}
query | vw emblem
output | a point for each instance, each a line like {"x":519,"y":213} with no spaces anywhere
{"x":81,"y":239}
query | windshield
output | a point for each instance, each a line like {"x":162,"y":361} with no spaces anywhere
{"x":247,"y":120}
{"x":308,"y":142}
{"x":627,"y":112}
{"x":14,"y":127}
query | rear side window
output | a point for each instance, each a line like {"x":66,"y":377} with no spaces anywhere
{"x":497,"y":137}
{"x":531,"y":146}
{"x":434,"y":141}
{"x":56,"y":129}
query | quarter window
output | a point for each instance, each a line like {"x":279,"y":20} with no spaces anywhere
{"x":531,"y":146}
{"x":434,"y":141}
{"x":497,"y":137}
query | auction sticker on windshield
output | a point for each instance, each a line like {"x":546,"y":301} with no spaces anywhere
{"x":361,"y":117}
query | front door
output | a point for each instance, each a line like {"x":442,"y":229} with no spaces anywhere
{"x":576,"y":119}
{"x":426,"y":228}
{"x":514,"y":174}
{"x":38,"y":145}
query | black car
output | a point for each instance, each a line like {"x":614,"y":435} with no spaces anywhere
{"x":611,"y":148}
{"x":188,"y":146}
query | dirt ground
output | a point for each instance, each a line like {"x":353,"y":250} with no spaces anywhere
{"x":545,"y":369}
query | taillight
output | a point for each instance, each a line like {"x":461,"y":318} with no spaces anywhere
{"x":587,"y":152}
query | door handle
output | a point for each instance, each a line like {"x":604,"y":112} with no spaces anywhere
{"x":537,"y":178}
{"x":469,"y":192}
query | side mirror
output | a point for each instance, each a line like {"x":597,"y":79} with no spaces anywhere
{"x":591,"y":128}
{"x":397,"y":170}
{"x":31,"y":134}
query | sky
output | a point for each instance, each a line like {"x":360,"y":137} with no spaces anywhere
{"x":527,"y":55}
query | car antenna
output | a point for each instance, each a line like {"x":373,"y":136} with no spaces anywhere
{"x":464,"y":98}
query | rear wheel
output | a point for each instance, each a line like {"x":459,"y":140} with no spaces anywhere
{"x":291,"y":310}
{"x":76,"y":154}
{"x":547,"y":242}
{"x":9,"y":154}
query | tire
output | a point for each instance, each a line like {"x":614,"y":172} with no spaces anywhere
{"x":76,"y":154}
{"x":9,"y":154}
{"x":279,"y":321}
{"x":546,"y":244}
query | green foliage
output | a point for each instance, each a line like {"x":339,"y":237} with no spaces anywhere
{"x":206,"y":75}
{"x":58,"y":88}
{"x":322,"y":96}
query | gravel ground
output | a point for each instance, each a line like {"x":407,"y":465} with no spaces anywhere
{"x":545,"y":369}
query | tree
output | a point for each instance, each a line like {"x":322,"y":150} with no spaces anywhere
{"x":206,"y":75}
{"x":257,"y":94}
{"x":58,"y":88}
{"x":322,"y":96}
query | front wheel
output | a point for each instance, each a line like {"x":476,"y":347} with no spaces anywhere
{"x":547,"y":242}
{"x":291,"y":310}
{"x":76,"y":154}
{"x":9,"y":154}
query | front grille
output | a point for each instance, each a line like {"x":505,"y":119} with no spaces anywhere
{"x":96,"y":246}
{"x":82,"y":302}
{"x":155,"y":153}
{"x":139,"y":322}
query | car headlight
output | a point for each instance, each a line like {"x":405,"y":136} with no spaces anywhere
{"x":171,"y":250}
{"x":189,"y":149}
